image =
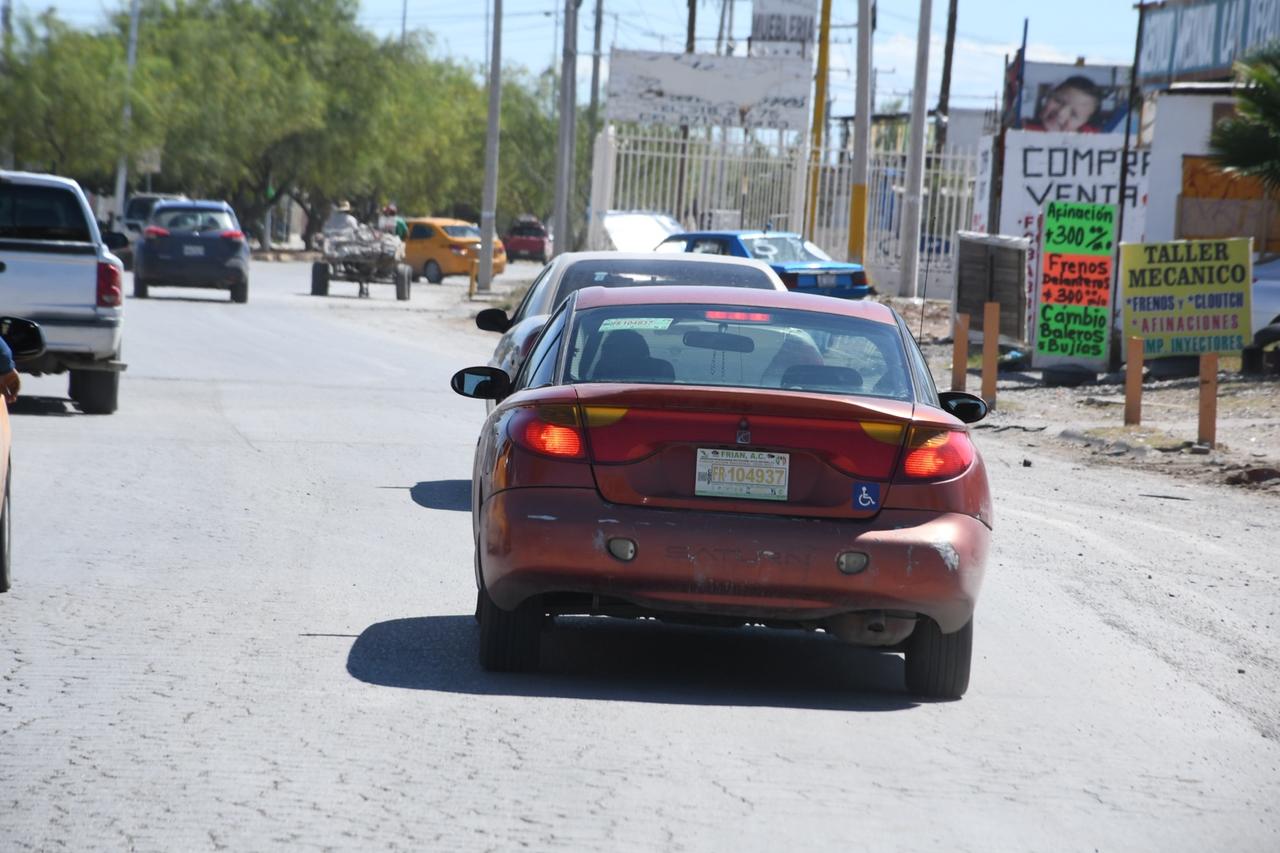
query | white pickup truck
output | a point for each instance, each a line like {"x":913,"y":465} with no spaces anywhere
{"x":56,"y":269}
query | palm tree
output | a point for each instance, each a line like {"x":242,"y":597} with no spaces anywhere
{"x":1249,"y":143}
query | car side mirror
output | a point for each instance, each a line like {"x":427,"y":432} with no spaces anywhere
{"x":23,"y":337}
{"x":115,"y":240}
{"x":493,"y":320}
{"x":481,"y":383}
{"x":966,"y":407}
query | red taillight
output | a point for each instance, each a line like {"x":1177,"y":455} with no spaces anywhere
{"x":232,"y":235}
{"x":155,"y":231}
{"x":549,"y":430}
{"x":936,"y":454}
{"x":740,"y":316}
{"x":110,"y":293}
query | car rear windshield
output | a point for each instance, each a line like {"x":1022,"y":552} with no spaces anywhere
{"x":739,"y":347}
{"x":193,"y":219}
{"x":778,"y":249}
{"x":468,"y":232}
{"x":42,"y":213}
{"x":619,"y":272}
{"x":528,"y":231}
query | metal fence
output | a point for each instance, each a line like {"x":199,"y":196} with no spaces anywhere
{"x":718,"y":183}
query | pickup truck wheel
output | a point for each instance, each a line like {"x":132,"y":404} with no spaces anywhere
{"x":431,"y":270}
{"x":96,"y":392}
{"x":139,"y":288}
{"x":6,"y":532}
{"x":938,"y":663}
{"x":240,"y":291}
{"x":509,"y":639}
{"x":319,"y":279}
{"x":404,"y":275}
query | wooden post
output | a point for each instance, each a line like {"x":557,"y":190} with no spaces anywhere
{"x":1208,"y":433}
{"x":1133,"y":383}
{"x":959,"y":352}
{"x":990,"y":350}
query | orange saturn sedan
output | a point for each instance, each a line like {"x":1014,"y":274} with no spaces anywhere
{"x":736,"y":457}
{"x":437,"y":247}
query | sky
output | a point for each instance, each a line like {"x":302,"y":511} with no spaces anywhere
{"x":1102,"y":31}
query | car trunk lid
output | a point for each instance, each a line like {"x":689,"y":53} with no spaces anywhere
{"x":769,"y":452}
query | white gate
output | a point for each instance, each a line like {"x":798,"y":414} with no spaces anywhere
{"x":717,"y":183}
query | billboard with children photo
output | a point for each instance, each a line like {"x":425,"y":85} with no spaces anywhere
{"x":1065,"y":98}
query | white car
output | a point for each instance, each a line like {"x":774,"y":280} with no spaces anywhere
{"x":56,"y":269}
{"x":1266,"y":295}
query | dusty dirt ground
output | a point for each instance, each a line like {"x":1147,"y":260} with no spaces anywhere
{"x":1089,"y":420}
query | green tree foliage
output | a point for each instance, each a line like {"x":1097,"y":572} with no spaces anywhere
{"x":1249,"y":143}
{"x":252,"y":100}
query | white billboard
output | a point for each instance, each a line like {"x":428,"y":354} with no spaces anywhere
{"x":703,"y":89}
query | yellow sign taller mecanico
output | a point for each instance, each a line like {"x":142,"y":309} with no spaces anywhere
{"x":1187,"y":297}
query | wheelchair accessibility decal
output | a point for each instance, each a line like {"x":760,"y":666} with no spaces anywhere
{"x":866,"y":495}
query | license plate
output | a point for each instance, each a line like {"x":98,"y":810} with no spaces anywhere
{"x":754,"y":474}
{"x":193,"y":251}
{"x":828,"y":280}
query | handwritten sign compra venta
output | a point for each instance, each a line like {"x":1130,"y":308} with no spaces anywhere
{"x":1187,"y":297}
{"x":1074,"y":313}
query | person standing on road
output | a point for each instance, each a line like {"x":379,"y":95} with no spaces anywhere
{"x":9,"y":381}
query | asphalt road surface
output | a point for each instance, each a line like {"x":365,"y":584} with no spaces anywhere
{"x":241,"y":619}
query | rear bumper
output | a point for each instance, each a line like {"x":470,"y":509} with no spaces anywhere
{"x":535,"y":541}
{"x":170,"y":273}
{"x":89,"y":342}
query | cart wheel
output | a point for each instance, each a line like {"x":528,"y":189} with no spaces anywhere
{"x":319,"y":279}
{"x":404,"y":274}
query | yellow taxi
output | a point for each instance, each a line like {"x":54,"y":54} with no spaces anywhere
{"x":436,"y":247}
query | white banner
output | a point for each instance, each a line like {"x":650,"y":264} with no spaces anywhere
{"x":703,"y":89}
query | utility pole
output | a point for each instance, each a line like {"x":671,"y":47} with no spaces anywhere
{"x":595,"y":71}
{"x":861,"y":136}
{"x":122,"y":167}
{"x":568,"y":114}
{"x":720,"y":33}
{"x":944,"y":96}
{"x":689,"y":41}
{"x":911,"y":208}
{"x":489,"y":196}
{"x":404,"y":19}
{"x":819,"y":116}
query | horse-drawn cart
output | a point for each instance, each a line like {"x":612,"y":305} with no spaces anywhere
{"x":364,"y":256}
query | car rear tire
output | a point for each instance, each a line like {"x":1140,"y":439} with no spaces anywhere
{"x":6,"y":532}
{"x":319,"y":279}
{"x":510,"y":640}
{"x":96,"y":392}
{"x":938,"y":663}
{"x":404,"y":275}
{"x":240,"y":292}
{"x":432,"y":272}
{"x":139,"y":288}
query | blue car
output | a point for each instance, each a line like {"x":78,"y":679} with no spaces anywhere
{"x":192,"y":244}
{"x":801,"y":265}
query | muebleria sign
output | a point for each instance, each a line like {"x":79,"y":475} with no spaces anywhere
{"x":782,"y":27}
{"x":1187,"y":297}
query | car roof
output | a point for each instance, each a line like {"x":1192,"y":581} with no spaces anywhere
{"x":571,"y":257}
{"x":437,"y":220}
{"x":754,"y":232}
{"x":188,"y":203}
{"x":39,"y":179}
{"x":601,"y":297}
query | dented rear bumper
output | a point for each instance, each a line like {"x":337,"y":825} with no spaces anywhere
{"x":546,"y":540}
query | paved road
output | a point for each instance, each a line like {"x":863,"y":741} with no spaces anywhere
{"x":241,"y":620}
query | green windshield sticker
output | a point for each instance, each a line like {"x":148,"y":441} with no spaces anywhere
{"x":635,"y":323}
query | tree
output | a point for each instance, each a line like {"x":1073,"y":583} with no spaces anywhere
{"x":1249,"y":143}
